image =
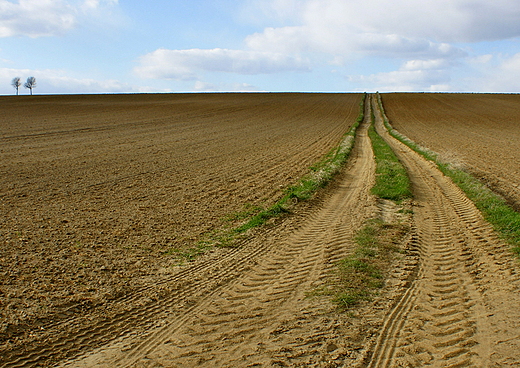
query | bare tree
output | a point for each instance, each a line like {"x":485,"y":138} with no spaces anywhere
{"x":16,"y":83}
{"x":31,"y":83}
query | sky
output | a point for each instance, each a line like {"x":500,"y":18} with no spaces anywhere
{"x":129,"y":46}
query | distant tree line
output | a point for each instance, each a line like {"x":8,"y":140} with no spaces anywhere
{"x":29,"y":84}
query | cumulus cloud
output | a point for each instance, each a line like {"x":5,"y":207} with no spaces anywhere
{"x":341,"y":27}
{"x":413,"y":75}
{"x":36,"y":18}
{"x":39,"y":18}
{"x":186,"y":64}
{"x":284,"y":40}
{"x":437,"y":20}
{"x":393,"y":45}
{"x":342,"y":47}
{"x":405,"y":81}
{"x":495,"y":73}
{"x":484,"y":73}
{"x":425,"y":36}
{"x":447,"y":20}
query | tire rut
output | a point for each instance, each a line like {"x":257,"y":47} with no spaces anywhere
{"x":246,"y":322}
{"x":450,"y":315}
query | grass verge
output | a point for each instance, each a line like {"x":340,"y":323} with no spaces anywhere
{"x":493,"y":207}
{"x":321,"y":174}
{"x":254,"y":216}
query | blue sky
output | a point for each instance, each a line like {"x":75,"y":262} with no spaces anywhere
{"x":98,"y":46}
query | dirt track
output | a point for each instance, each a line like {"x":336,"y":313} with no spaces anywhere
{"x":480,"y":131}
{"x":451,"y":299}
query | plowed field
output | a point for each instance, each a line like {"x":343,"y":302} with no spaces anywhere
{"x":481,"y":131}
{"x":97,"y":229}
{"x":96,"y":191}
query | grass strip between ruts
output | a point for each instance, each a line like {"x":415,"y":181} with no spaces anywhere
{"x":504,"y":219}
{"x":392,"y":181}
{"x":358,"y":275}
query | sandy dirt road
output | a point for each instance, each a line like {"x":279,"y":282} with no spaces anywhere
{"x":461,"y":310}
{"x":262,"y":317}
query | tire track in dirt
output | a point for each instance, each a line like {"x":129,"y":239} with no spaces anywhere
{"x":246,"y":321}
{"x":462,"y":308}
{"x":71,"y":336}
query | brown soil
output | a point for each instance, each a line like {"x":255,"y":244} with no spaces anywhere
{"x":98,"y":190}
{"x":479,"y":131}
{"x":450,"y":298}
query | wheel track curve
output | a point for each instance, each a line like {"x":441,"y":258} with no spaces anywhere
{"x":189,"y":283}
{"x":449,"y":315}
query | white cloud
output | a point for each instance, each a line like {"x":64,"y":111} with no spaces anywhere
{"x":404,"y":28}
{"x":393,"y":45}
{"x":284,"y":39}
{"x":435,"y":64}
{"x":235,"y":87}
{"x":425,"y":35}
{"x":496,"y":74}
{"x":39,"y":18}
{"x":186,"y":64}
{"x":413,"y":75}
{"x":346,"y":45}
{"x":437,"y":20}
{"x":483,"y":73}
{"x":405,"y":81}
{"x":346,"y":30}
{"x":35,"y":18}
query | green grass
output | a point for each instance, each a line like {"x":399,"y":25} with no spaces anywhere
{"x":359,"y":276}
{"x":494,"y":208}
{"x":392,"y":181}
{"x":248,"y":211}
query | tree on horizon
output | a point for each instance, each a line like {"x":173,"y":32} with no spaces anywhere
{"x":16,"y":83}
{"x":30,"y":84}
